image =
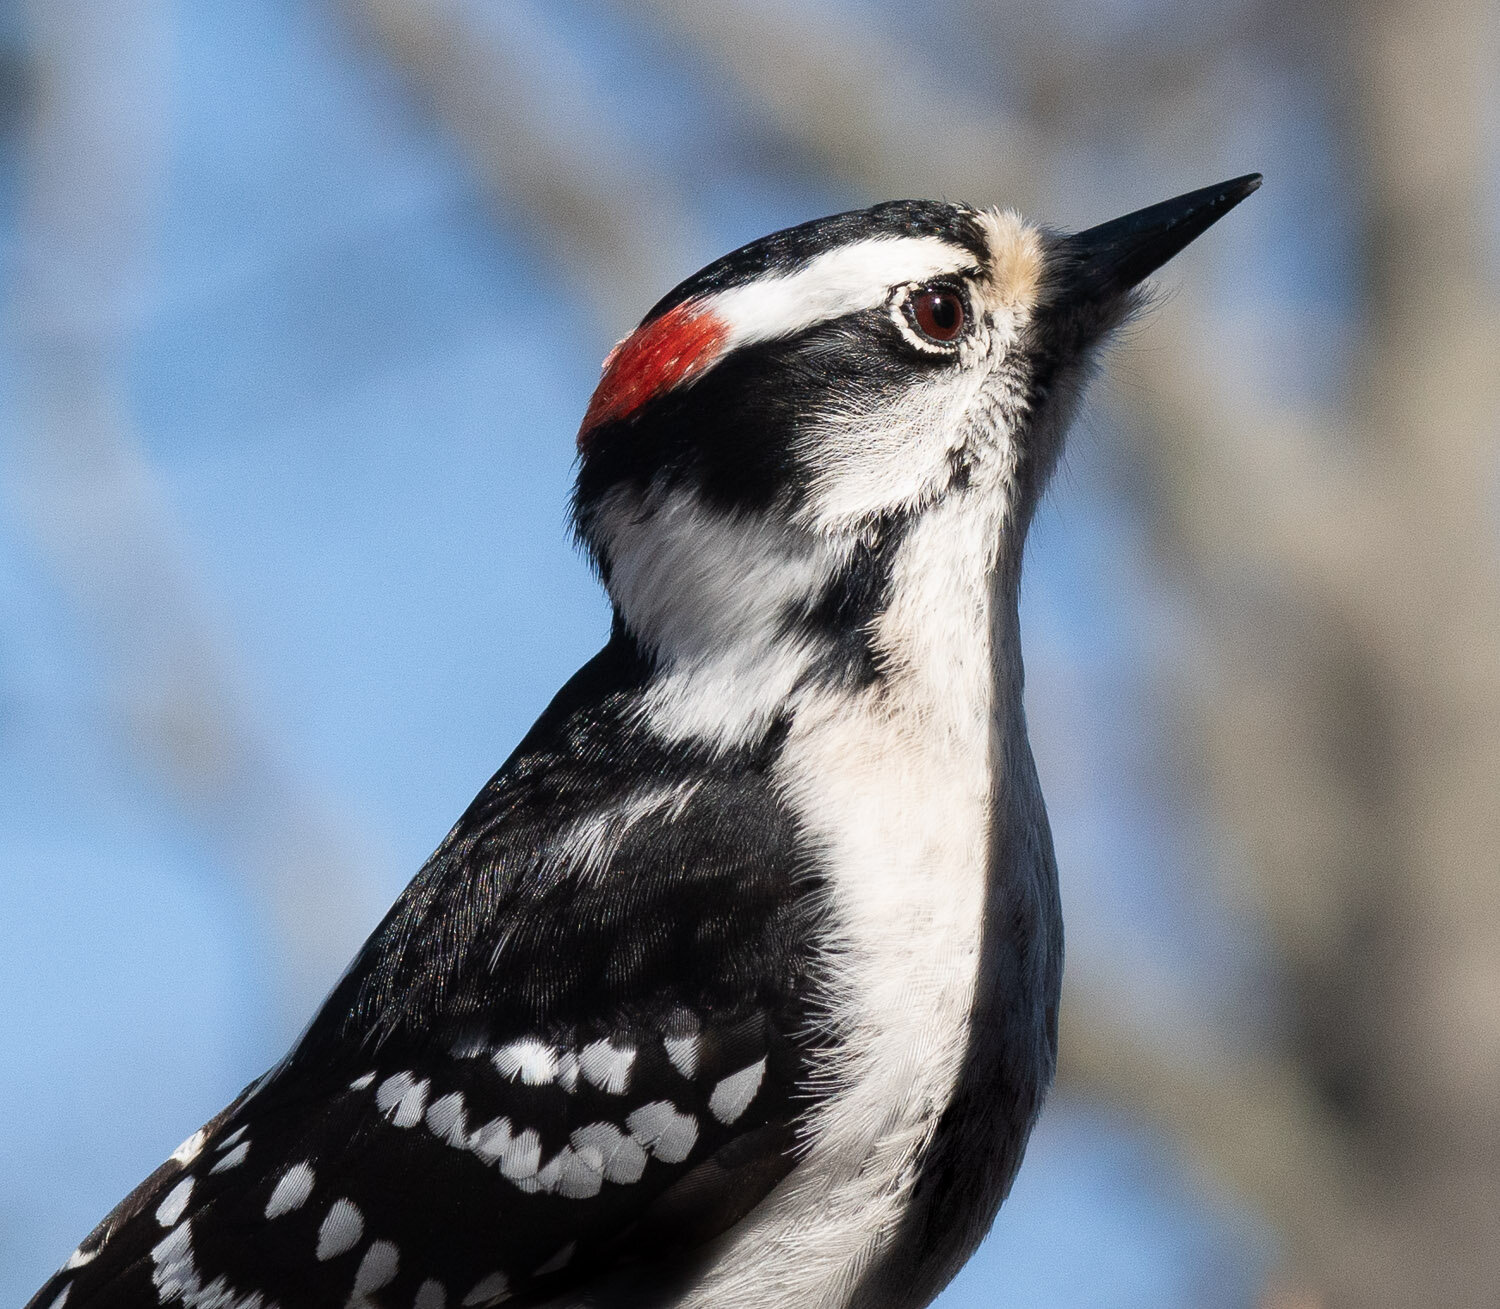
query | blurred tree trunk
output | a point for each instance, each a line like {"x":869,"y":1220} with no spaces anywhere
{"x":1353,"y":725}
{"x":1411,"y":999}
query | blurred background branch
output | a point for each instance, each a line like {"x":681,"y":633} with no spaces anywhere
{"x":85,"y":491}
{"x":868,"y":109}
{"x":519,"y":104}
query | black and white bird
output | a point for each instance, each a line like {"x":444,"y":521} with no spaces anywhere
{"x":737,"y":985}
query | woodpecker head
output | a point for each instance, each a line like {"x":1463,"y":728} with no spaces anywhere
{"x":783,"y":424}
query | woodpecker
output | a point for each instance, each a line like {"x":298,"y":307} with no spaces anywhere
{"x":737,"y":985}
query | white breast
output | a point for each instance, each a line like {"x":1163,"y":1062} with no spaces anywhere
{"x":894,"y":783}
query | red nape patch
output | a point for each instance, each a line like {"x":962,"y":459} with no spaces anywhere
{"x":653,"y":359}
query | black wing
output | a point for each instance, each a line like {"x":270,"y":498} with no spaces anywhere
{"x":575,"y":1050}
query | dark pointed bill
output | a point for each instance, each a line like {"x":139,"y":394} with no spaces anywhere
{"x":1104,"y":262}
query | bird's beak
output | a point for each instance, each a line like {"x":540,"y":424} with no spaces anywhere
{"x":1095,"y":268}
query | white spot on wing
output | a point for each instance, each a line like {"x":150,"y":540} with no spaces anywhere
{"x":233,"y":1137}
{"x":517,"y":1153}
{"x":683,"y":1052}
{"x":291,"y":1191}
{"x":376,"y":1269}
{"x":521,"y":1156}
{"x":531,"y":1060}
{"x":173,"y":1245}
{"x":431,"y":1295}
{"x":607,"y":1066}
{"x":591,"y":843}
{"x":359,"y":1083}
{"x":621,"y":1157}
{"x":341,"y":1230}
{"x":233,"y":1159}
{"x":61,"y":1298}
{"x":447,"y":1120}
{"x":175,"y":1275}
{"x":567,"y":1071}
{"x":732,"y":1096}
{"x":576,"y":1174}
{"x":548,"y":1176}
{"x":189,"y":1149}
{"x":82,"y":1256}
{"x":403,"y":1099}
{"x":668,"y":1134}
{"x":392,"y":1089}
{"x":492,"y":1140}
{"x":176,"y":1203}
{"x":488,"y":1290}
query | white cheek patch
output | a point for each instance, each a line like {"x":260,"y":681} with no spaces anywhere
{"x":893,"y":457}
{"x":895,"y":452}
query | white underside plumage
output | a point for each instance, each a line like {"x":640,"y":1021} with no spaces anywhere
{"x":893,"y":784}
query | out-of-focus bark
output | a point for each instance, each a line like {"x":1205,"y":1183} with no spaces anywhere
{"x":1428,"y":412}
{"x":1353,"y":729}
{"x":1245,"y":1116}
{"x":871,"y":111}
{"x":1425,"y":1025}
{"x":84,"y":489}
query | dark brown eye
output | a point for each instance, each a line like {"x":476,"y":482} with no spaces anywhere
{"x":938,"y":312}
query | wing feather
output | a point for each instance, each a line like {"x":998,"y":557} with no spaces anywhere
{"x":574,"y":1052}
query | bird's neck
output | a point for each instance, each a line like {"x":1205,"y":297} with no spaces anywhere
{"x":948,"y":637}
{"x":750,"y":624}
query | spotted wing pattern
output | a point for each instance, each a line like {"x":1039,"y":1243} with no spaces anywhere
{"x":574,"y":1052}
{"x":503,"y":1171}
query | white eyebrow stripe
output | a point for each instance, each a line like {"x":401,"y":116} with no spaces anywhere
{"x":837,"y":282}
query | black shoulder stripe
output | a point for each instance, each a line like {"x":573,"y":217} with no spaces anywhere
{"x":839,"y":620}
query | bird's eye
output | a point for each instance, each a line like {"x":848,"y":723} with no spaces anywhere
{"x":938,"y":312}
